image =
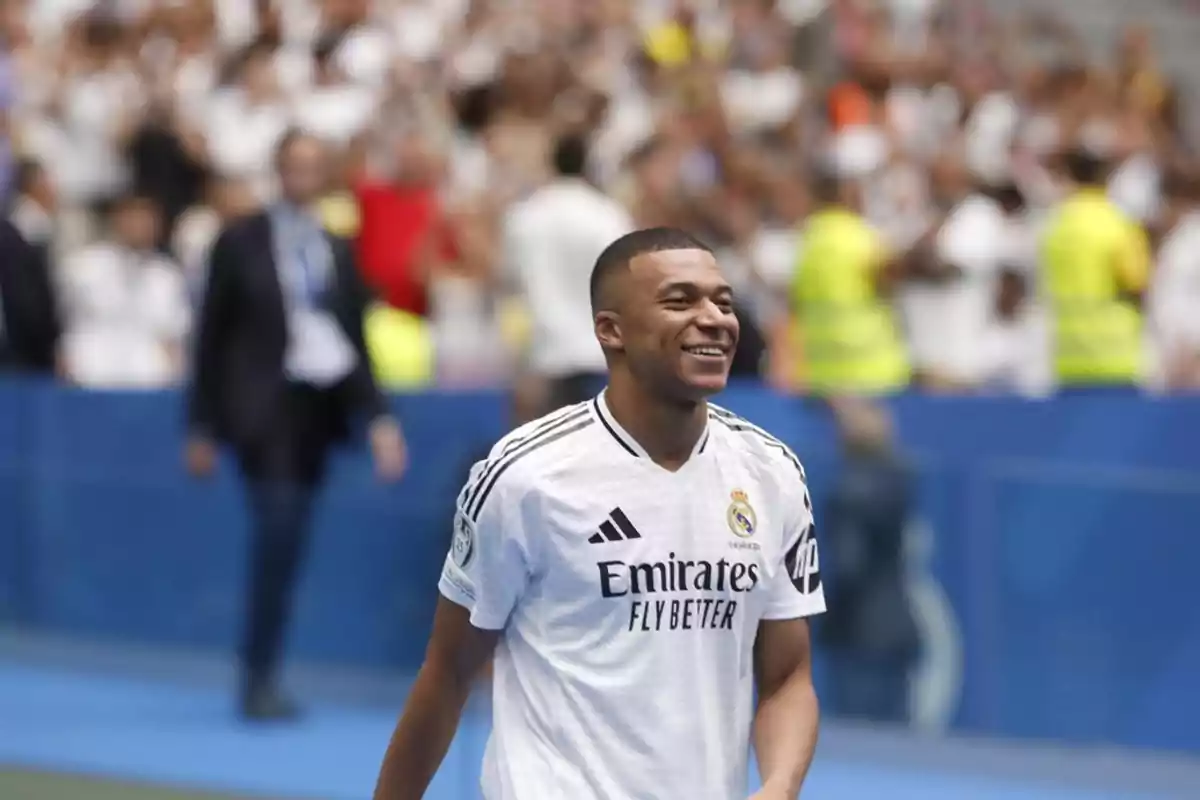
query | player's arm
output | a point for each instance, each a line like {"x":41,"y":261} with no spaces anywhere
{"x":457,"y":652}
{"x":786,"y":720}
{"x":785,"y":723}
{"x":483,"y":578}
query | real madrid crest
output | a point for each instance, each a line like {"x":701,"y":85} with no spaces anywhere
{"x":740,"y":515}
{"x":463,"y":546}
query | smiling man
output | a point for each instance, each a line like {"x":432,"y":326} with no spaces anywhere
{"x":638,"y":564}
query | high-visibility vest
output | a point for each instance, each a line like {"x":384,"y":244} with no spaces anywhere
{"x":1097,"y":334}
{"x":850,"y":340}
{"x":400,"y":348}
{"x":339,"y":214}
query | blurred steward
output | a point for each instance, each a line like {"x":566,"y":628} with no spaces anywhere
{"x":847,"y":334}
{"x":1095,"y":267}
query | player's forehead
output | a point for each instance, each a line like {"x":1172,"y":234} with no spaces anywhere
{"x":690,"y":268}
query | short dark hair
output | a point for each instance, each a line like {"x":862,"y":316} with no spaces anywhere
{"x":617,"y":255}
{"x":131,"y":200}
{"x":326,"y":46}
{"x":473,"y":107}
{"x":27,"y":173}
{"x":1008,"y":195}
{"x":1084,"y":166}
{"x":1180,"y":185}
{"x":570,"y":156}
{"x":825,"y":185}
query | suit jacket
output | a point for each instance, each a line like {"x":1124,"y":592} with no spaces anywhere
{"x":238,"y":381}
{"x":31,"y":326}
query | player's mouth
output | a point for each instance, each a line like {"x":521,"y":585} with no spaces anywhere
{"x":707,"y":352}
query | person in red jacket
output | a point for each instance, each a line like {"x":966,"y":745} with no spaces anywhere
{"x":403,"y":231}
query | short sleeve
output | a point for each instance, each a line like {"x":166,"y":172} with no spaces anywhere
{"x":488,"y":566}
{"x":1133,"y":261}
{"x":796,"y":589}
{"x":878,"y":252}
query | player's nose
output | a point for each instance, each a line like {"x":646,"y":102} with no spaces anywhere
{"x":715,"y":320}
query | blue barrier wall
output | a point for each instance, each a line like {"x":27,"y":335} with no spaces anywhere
{"x":1066,"y":533}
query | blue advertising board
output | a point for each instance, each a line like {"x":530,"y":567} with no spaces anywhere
{"x":1054,"y":552}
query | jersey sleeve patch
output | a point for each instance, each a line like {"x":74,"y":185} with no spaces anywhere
{"x":463,"y":546}
{"x":803,"y":563}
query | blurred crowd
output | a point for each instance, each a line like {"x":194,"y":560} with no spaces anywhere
{"x":467,"y":132}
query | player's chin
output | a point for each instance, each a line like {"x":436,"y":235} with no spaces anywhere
{"x":703,"y":383}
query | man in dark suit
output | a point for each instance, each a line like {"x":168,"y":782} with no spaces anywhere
{"x":29,"y":322}
{"x":281,"y":374}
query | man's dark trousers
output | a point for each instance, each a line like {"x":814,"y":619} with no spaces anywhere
{"x":283,"y":473}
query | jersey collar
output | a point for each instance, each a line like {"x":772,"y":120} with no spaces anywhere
{"x":622,"y":437}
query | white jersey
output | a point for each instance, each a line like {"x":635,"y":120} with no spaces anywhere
{"x":629,"y":597}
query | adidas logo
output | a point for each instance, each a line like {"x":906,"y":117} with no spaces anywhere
{"x":616,"y":528}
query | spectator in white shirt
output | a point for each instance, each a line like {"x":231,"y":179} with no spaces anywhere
{"x":948,"y":306}
{"x":1016,"y":346}
{"x":126,"y":313}
{"x":247,"y":119}
{"x":334,"y":108}
{"x":184,"y":59}
{"x":551,"y":241}
{"x":94,"y":110}
{"x":1173,"y":303}
{"x":225,"y":199}
{"x":364,"y":50}
{"x":766,"y":91}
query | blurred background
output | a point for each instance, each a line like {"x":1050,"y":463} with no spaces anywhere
{"x":982,"y":215}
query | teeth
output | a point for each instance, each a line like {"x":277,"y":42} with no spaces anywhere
{"x":705,"y":351}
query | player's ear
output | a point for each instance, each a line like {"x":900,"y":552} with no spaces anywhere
{"x":608,"y":330}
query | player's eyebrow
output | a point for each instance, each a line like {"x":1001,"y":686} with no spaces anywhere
{"x":691,"y":289}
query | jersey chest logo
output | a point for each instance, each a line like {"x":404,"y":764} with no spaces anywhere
{"x":742,"y":520}
{"x":617,"y":528}
{"x":659,"y":589}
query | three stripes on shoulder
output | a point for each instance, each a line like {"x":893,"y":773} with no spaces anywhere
{"x":549,"y":430}
{"x":742,"y":425}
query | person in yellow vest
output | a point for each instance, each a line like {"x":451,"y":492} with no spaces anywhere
{"x":842,"y":322}
{"x":400,"y":347}
{"x":1094,"y":269}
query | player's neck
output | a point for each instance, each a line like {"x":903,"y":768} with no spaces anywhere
{"x":667,"y":431}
